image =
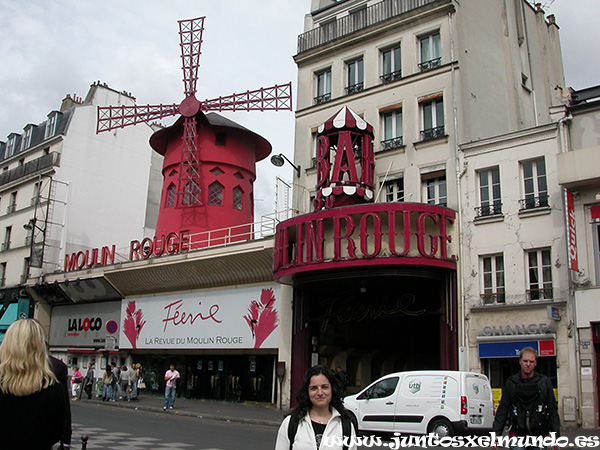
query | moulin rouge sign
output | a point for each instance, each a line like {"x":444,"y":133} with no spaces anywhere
{"x":144,"y":249}
{"x":369,"y":234}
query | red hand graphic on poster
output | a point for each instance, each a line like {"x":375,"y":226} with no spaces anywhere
{"x":133,"y":323}
{"x":262,"y":317}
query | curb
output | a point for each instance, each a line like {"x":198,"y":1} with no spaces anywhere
{"x":195,"y":414}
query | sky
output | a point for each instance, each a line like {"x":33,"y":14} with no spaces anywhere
{"x":52,"y":48}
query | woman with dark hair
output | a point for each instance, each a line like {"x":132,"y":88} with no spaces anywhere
{"x":318,"y":415}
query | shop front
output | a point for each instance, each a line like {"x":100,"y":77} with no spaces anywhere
{"x":223,"y":342}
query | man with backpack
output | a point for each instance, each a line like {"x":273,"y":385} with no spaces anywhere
{"x":528,"y":402}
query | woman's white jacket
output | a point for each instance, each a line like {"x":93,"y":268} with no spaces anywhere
{"x":305,"y":435}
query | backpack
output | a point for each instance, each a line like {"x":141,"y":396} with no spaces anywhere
{"x":530,"y":410}
{"x":293,"y":427}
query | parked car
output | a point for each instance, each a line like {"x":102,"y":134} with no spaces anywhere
{"x":422,"y":402}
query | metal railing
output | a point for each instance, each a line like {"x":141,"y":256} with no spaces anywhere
{"x":390,"y":144}
{"x":43,"y":162}
{"x":532,"y":202}
{"x":322,"y":99}
{"x":392,"y":76}
{"x":430,"y":65}
{"x":355,"y":88}
{"x":493,"y":298}
{"x":488,"y":210}
{"x":432,"y":133}
{"x":540,"y":294}
{"x":373,"y":15}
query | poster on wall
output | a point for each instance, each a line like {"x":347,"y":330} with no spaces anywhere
{"x":84,"y":325}
{"x":245,"y":318}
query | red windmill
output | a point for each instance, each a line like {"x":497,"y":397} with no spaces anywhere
{"x":208,"y":160}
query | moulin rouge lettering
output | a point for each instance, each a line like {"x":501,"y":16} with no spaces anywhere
{"x":177,"y":316}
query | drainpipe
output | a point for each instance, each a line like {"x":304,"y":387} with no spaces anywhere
{"x":460,"y":171}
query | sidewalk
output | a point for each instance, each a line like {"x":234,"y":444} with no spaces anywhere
{"x":245,"y":412}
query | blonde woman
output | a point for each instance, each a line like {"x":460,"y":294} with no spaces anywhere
{"x":32,"y":401}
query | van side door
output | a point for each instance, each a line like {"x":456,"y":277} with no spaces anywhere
{"x":377,"y":405}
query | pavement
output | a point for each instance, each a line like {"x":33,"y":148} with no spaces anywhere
{"x":246,"y":412}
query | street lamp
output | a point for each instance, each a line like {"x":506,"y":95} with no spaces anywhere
{"x":279,"y":160}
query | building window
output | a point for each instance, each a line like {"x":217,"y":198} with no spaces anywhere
{"x":238,"y":197}
{"x":391,"y":65}
{"x":191,"y":194}
{"x":6,"y":243}
{"x":435,"y":190}
{"x":35,"y":198}
{"x":51,"y":125}
{"x":26,"y":141}
{"x":171,"y":195}
{"x":12,"y":205}
{"x":393,"y":189}
{"x":11,"y":145}
{"x":392,"y":130}
{"x":355,"y":71}
{"x":539,"y":275}
{"x":535,"y":185}
{"x":26,"y":267}
{"x":323,"y":80}
{"x":215,"y":194}
{"x":221,"y":139}
{"x":430,"y":51}
{"x":489,"y":193}
{"x":3,"y":274}
{"x":433,"y":118}
{"x":492,"y":270}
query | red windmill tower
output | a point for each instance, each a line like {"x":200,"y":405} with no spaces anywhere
{"x":209,"y":161}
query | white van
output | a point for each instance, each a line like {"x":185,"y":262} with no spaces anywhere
{"x":422,"y":402}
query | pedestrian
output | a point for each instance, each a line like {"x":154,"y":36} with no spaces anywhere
{"x":32,"y":402}
{"x":134,"y":377}
{"x":88,"y":382}
{"x":76,"y":380}
{"x":320,"y":420}
{"x":116,"y":384}
{"x":527,"y":402}
{"x":125,"y":382}
{"x":107,"y":382}
{"x":171,"y":377}
{"x":60,"y":371}
{"x":339,"y":372}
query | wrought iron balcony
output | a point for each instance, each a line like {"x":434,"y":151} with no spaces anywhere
{"x":531,"y":202}
{"x":540,"y":294}
{"x":493,"y":298}
{"x":355,"y":88}
{"x":389,"y":77}
{"x":432,"y":133}
{"x":390,"y":144}
{"x":373,"y":15}
{"x":430,"y":65}
{"x":492,"y":209}
{"x":322,"y":99}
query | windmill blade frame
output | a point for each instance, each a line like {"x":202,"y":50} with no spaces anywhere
{"x":111,"y":117}
{"x":190,"y":37}
{"x":274,"y":98}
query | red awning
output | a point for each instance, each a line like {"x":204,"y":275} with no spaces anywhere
{"x":346,"y":118}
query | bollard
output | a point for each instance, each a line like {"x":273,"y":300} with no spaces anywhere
{"x":84,"y":440}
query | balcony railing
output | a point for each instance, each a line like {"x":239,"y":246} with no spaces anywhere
{"x":493,"y":298}
{"x":531,"y":202}
{"x":5,"y":246}
{"x":322,"y":99}
{"x":432,"y":133}
{"x":355,"y":88}
{"x":43,"y":162}
{"x":540,"y":294}
{"x":373,"y":15}
{"x":390,"y":144}
{"x":392,"y":76}
{"x":430,"y":65}
{"x":488,"y":210}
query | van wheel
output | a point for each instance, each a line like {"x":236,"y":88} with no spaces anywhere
{"x":354,"y":421}
{"x":441,"y":428}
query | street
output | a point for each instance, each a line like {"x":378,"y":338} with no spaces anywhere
{"x":129,"y":429}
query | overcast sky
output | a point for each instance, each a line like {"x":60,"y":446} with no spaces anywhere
{"x":52,"y":48}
